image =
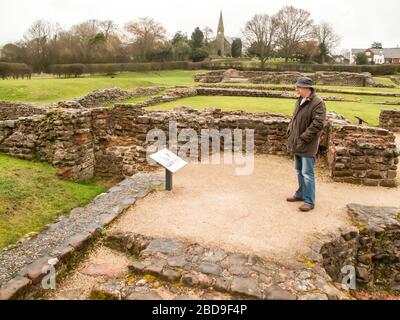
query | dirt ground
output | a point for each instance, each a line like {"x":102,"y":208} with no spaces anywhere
{"x":211,"y":205}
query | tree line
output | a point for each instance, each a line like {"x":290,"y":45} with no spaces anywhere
{"x":290,"y":34}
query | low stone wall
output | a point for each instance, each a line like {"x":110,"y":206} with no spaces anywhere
{"x":371,"y":247}
{"x":262,"y":77}
{"x":390,"y":119}
{"x":362,"y":155}
{"x":245,"y":92}
{"x":15,"y":110}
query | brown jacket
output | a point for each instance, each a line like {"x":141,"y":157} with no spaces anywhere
{"x":306,"y":126}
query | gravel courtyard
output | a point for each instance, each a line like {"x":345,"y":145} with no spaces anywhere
{"x":213,"y":206}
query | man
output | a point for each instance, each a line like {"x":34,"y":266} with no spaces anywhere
{"x":304,"y":133}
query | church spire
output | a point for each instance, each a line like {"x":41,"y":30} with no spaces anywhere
{"x":221,"y":24}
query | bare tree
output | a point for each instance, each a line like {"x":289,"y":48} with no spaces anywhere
{"x":208,"y":33}
{"x":146,"y":35}
{"x":260,"y":35}
{"x":327,"y":39}
{"x":37,"y":40}
{"x":294,"y":26}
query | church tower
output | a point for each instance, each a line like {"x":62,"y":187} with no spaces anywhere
{"x":220,"y":40}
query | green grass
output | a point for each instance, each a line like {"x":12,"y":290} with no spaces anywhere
{"x":47,"y":90}
{"x":368,"y":112}
{"x":384,"y":80}
{"x":31,"y":196}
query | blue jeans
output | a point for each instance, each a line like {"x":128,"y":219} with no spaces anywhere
{"x":305,"y":174}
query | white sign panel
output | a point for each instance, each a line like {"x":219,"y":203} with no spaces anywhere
{"x":168,"y":160}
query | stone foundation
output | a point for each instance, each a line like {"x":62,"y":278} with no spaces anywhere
{"x":371,"y":247}
{"x":262,"y":77}
{"x":362,"y":155}
{"x":390,"y":119}
{"x":15,"y":110}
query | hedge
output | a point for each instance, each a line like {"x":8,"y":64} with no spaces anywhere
{"x":14,"y":70}
{"x":113,"y":68}
{"x":68,"y":70}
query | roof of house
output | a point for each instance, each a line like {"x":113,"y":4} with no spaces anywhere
{"x":390,"y":53}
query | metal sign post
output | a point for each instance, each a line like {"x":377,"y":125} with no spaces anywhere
{"x":171,"y":162}
{"x":168,"y":180}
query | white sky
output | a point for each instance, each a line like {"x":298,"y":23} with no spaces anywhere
{"x":358,"y":22}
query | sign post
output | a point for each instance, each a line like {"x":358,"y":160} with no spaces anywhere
{"x":171,"y":162}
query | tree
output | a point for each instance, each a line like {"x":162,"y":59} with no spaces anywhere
{"x":197,"y":39}
{"x":236,"y":48}
{"x":260,"y":36}
{"x":361,"y":58}
{"x":294,"y":26}
{"x":37,"y":40}
{"x":308,"y":51}
{"x":146,"y":35}
{"x":208,"y":33}
{"x":327,"y":39}
{"x":377,"y":45}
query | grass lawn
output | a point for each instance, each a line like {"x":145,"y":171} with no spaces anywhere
{"x":31,"y":196}
{"x":47,"y":90}
{"x":368,"y":112}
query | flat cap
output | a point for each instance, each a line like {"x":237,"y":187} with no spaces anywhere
{"x":304,"y":82}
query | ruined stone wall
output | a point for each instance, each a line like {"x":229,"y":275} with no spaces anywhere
{"x":289,"y":77}
{"x":15,"y":110}
{"x":362,"y":155}
{"x":390,"y":119}
{"x":60,"y":137}
{"x":120,"y":133}
{"x":371,"y":247}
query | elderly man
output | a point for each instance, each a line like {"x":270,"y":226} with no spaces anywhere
{"x":304,"y":133}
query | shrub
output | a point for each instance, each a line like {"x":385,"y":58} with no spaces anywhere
{"x":199,"y":55}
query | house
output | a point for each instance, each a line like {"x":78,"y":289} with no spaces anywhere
{"x":377,"y":56}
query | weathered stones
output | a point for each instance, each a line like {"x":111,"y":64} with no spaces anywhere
{"x":390,"y":119}
{"x":102,"y":269}
{"x":361,"y":155}
{"x":286,"y":77}
{"x":246,"y":286}
{"x":277,"y":293}
{"x":373,"y":253}
{"x":238,"y":274}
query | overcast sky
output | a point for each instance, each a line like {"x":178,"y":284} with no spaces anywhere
{"x":358,"y":22}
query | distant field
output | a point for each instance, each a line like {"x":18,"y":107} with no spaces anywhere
{"x":31,"y":196}
{"x":47,"y":90}
{"x":368,"y":112}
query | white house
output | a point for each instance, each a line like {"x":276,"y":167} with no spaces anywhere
{"x":377,"y":56}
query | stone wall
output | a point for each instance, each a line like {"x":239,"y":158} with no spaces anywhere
{"x":15,"y":110}
{"x":61,"y":137}
{"x":371,"y":247}
{"x":362,"y":155}
{"x":120,"y":133}
{"x":390,"y":119}
{"x":262,"y":77}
